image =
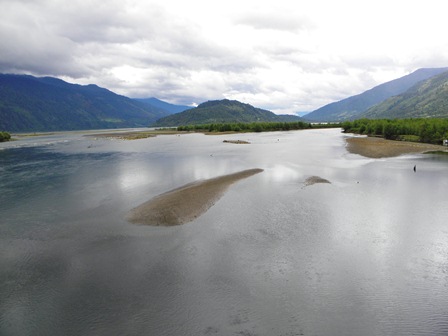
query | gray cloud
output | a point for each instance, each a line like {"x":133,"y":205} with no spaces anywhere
{"x":33,"y":51}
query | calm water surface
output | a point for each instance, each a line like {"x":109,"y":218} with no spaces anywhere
{"x":364,"y":255}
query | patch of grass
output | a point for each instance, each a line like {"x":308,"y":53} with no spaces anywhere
{"x":408,"y":137}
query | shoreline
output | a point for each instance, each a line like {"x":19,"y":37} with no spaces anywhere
{"x":376,"y":148}
{"x":184,"y":204}
{"x":143,"y":134}
{"x":135,"y":135}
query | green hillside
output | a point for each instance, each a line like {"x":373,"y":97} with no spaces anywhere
{"x":222,"y":111}
{"x":352,"y":107}
{"x":428,"y":99}
{"x":29,"y":103}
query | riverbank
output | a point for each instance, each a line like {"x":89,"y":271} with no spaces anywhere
{"x":372,"y":147}
{"x":184,"y":204}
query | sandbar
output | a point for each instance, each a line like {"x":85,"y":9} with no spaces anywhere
{"x":313,"y":180}
{"x":135,"y":135}
{"x":373,"y":147}
{"x":184,"y":204}
{"x":238,"y":142}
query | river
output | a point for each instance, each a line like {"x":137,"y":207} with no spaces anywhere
{"x":366,"y":254}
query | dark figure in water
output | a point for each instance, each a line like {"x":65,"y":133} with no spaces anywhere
{"x":415,"y":168}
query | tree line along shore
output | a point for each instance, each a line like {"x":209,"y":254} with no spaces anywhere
{"x":254,"y":127}
{"x":427,"y":130}
{"x":423,"y":130}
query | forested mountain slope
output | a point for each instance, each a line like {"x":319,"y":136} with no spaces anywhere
{"x":29,"y":103}
{"x":428,"y":99}
{"x":352,"y":107}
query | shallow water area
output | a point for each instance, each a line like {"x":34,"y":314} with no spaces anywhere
{"x":366,"y":254}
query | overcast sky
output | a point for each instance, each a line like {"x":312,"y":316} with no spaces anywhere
{"x":283,"y":55}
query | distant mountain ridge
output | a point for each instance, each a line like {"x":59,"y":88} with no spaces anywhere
{"x":30,"y":103}
{"x":169,"y":108}
{"x":352,"y":107}
{"x":222,"y":111}
{"x":427,"y":99}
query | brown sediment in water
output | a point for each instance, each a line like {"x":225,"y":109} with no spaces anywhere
{"x":372,"y":147}
{"x":184,"y":204}
{"x":313,"y":180}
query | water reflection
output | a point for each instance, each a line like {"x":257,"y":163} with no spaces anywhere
{"x":283,"y":173}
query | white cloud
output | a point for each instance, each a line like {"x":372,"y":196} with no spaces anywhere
{"x":287,"y":55}
{"x":284,"y":20}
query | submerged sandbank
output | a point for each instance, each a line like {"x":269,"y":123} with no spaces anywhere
{"x":380,"y":148}
{"x":184,"y":204}
{"x":313,"y":180}
{"x":135,"y":135}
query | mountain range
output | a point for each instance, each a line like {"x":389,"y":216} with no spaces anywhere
{"x":426,"y":99}
{"x":30,"y":103}
{"x":222,"y":111}
{"x":352,"y":107}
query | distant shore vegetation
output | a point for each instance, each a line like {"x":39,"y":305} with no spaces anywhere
{"x":4,"y":136}
{"x":432,"y":131}
{"x":254,"y":127}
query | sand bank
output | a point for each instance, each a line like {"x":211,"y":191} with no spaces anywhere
{"x":184,"y":204}
{"x":313,"y":180}
{"x":379,"y":148}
